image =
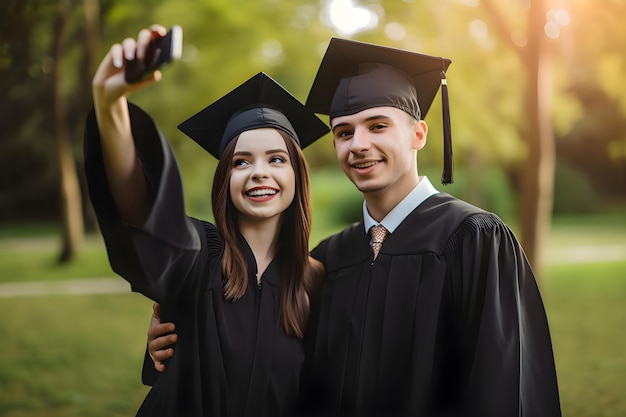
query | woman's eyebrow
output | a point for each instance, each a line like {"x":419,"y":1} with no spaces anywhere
{"x":270,"y":151}
{"x":267,"y":152}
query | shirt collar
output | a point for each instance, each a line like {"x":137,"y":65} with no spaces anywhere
{"x":392,"y":220}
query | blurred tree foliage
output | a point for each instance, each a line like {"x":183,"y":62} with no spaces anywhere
{"x":227,"y":41}
{"x":25,"y":109}
{"x":590,"y":106}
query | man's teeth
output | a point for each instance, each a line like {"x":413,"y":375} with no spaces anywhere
{"x":258,"y":193}
{"x":365,"y":164}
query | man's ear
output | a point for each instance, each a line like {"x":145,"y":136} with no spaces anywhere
{"x":420,"y":134}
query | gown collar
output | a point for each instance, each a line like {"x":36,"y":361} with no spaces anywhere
{"x":272,"y":272}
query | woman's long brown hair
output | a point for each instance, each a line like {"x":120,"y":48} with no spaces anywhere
{"x":300,"y":274}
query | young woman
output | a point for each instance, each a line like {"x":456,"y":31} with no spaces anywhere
{"x":240,"y":290}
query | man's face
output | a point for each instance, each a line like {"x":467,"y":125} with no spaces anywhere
{"x":377,"y":149}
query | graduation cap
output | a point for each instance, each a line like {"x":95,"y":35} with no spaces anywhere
{"x":355,"y":76}
{"x":259,"y":102}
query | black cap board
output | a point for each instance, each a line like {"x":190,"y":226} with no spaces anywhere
{"x":257,"y":103}
{"x":355,"y":76}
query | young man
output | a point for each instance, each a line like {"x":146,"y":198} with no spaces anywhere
{"x":442,"y":319}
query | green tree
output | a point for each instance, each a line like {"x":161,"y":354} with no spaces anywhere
{"x":537,"y":176}
{"x":590,"y":107}
{"x":71,"y":203}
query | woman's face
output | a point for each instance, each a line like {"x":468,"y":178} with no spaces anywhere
{"x":262,"y":180}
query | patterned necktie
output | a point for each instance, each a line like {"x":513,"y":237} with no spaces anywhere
{"x":379,"y":234}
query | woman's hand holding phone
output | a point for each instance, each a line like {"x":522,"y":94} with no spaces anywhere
{"x":159,"y":51}
{"x":133,"y":64}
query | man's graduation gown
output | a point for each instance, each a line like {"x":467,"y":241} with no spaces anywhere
{"x":447,"y":321}
{"x":232,"y":358}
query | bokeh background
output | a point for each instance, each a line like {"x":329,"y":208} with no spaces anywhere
{"x":539,"y":132}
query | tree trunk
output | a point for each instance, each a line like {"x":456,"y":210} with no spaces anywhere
{"x":71,"y":205}
{"x":91,"y":42}
{"x":537,"y":185}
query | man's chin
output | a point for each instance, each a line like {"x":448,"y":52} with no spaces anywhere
{"x":366,"y":188}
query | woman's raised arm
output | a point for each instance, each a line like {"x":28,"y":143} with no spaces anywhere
{"x":123,"y":168}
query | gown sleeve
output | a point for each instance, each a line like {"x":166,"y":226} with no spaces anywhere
{"x":215,"y":247}
{"x":157,"y":257}
{"x":507,"y":364}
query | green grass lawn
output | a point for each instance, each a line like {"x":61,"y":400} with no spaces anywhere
{"x":586,"y":307}
{"x":81,"y":355}
{"x":68,"y":356}
{"x":36,"y":259}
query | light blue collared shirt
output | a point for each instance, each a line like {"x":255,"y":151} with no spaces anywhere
{"x":392,"y":220}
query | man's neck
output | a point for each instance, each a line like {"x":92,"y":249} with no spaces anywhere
{"x":380,"y":203}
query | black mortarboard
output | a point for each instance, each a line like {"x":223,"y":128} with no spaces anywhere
{"x":259,"y":102}
{"x":355,"y":76}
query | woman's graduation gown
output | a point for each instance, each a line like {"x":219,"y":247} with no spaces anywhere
{"x":232,"y":358}
{"x":447,"y":321}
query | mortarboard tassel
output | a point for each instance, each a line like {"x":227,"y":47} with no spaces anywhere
{"x":446,"y":176}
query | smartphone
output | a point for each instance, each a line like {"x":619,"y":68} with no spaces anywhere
{"x":159,"y":52}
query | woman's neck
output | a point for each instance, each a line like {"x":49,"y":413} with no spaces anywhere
{"x":262,"y":237}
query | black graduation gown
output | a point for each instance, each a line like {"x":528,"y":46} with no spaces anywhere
{"x":232,"y":358}
{"x":448,"y":320}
